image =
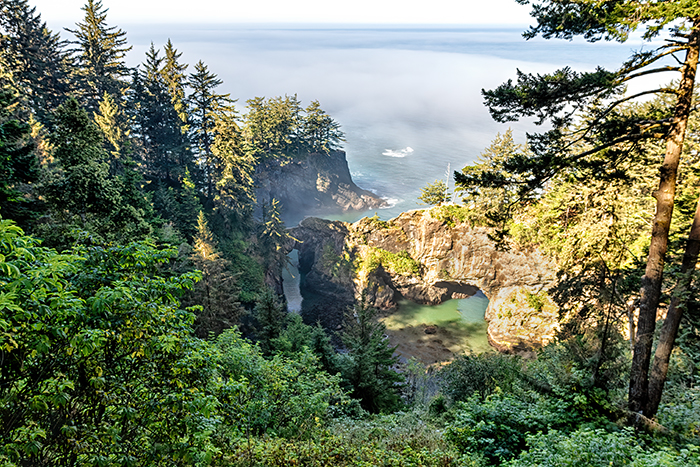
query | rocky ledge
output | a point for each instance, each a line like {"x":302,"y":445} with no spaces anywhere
{"x":316,"y":183}
{"x":429,"y":260}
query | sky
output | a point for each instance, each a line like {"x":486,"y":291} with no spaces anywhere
{"x":63,"y":13}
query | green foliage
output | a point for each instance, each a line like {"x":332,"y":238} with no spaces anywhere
{"x":497,"y":427}
{"x":99,"y":362}
{"x":398,"y":263}
{"x":276,"y":130}
{"x":282,"y":396}
{"x":99,"y":54}
{"x":270,"y":316}
{"x":217,"y":293}
{"x":33,"y":61}
{"x":319,"y":132}
{"x":368,"y":370}
{"x":481,"y":374}
{"x":18,"y":161}
{"x":599,"y":448}
{"x":434,"y":193}
{"x":451,"y":214}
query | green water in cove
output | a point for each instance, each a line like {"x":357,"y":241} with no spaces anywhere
{"x":460,"y":324}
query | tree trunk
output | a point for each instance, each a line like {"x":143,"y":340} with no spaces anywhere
{"x":653,"y":276}
{"x":669,"y":330}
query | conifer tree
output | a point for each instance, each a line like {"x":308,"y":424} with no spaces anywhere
{"x":217,"y":292}
{"x":80,"y":190}
{"x":99,"y":56}
{"x":34,"y":59}
{"x":204,"y":103}
{"x":369,"y":371}
{"x":18,"y":163}
{"x":233,"y":168}
{"x":158,"y":125}
{"x":319,"y":132}
{"x":272,"y":129}
{"x":607,"y":135}
{"x":175,"y":79}
{"x":270,"y":316}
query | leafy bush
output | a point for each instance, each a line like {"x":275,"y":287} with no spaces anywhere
{"x":497,"y":427}
{"x":599,"y":448}
{"x":397,"y":263}
{"x":451,"y":214}
{"x":480,"y":374}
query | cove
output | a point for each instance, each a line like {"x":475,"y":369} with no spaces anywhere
{"x":434,"y":334}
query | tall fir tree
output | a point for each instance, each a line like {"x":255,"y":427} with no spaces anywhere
{"x":607,"y":135}
{"x":217,"y":292}
{"x":158,"y":125}
{"x":99,"y":54}
{"x":204,"y":104}
{"x":33,"y":58}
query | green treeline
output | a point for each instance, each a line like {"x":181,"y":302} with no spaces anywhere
{"x":140,"y":323}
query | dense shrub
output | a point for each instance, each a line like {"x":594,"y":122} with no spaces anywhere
{"x":599,"y":448}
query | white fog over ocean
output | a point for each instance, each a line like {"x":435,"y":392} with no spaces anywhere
{"x":408,"y":98}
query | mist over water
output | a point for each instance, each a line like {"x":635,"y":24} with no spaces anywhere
{"x":408,"y":99}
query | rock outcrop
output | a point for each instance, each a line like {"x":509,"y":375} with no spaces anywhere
{"x":318,"y":183}
{"x":424,"y":259}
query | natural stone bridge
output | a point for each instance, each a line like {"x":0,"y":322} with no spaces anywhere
{"x":455,"y":262}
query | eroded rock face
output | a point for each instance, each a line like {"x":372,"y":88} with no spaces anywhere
{"x":318,"y":183}
{"x":454,"y":262}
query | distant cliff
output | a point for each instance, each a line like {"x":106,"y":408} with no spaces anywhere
{"x":430,"y":260}
{"x":316,"y":184}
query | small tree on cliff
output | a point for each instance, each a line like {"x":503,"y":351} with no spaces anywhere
{"x":434,"y":193}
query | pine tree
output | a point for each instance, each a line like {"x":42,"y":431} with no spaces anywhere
{"x":174,"y":75}
{"x":204,"y":103}
{"x":158,"y":125}
{"x":369,"y":371}
{"x":233,"y":168}
{"x":607,"y":135}
{"x":270,"y":316}
{"x":99,"y":56}
{"x":18,"y":162}
{"x":34,"y":59}
{"x":217,"y":292}
{"x":319,"y":132}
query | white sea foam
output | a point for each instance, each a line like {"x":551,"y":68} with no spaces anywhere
{"x":391,"y":202}
{"x":399,"y":153}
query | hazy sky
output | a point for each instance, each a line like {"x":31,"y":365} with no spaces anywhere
{"x":65,"y":12}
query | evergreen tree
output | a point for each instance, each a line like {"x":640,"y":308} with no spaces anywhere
{"x":272,"y":129}
{"x":204,"y":103}
{"x":270,"y":316}
{"x":112,"y":122}
{"x":158,"y":125}
{"x":434,"y":193}
{"x":80,"y":190}
{"x":174,"y":75}
{"x":233,"y":169}
{"x":369,"y":370}
{"x":18,"y":163}
{"x":99,"y":56}
{"x":217,"y":292}
{"x":319,"y":132}
{"x":607,"y":135}
{"x":33,"y":58}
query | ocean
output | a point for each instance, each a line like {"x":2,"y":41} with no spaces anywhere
{"x":408,"y":98}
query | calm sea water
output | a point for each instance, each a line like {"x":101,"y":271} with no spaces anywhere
{"x":408,"y":98}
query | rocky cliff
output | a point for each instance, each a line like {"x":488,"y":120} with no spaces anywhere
{"x":317,"y":183}
{"x":429,"y":260}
